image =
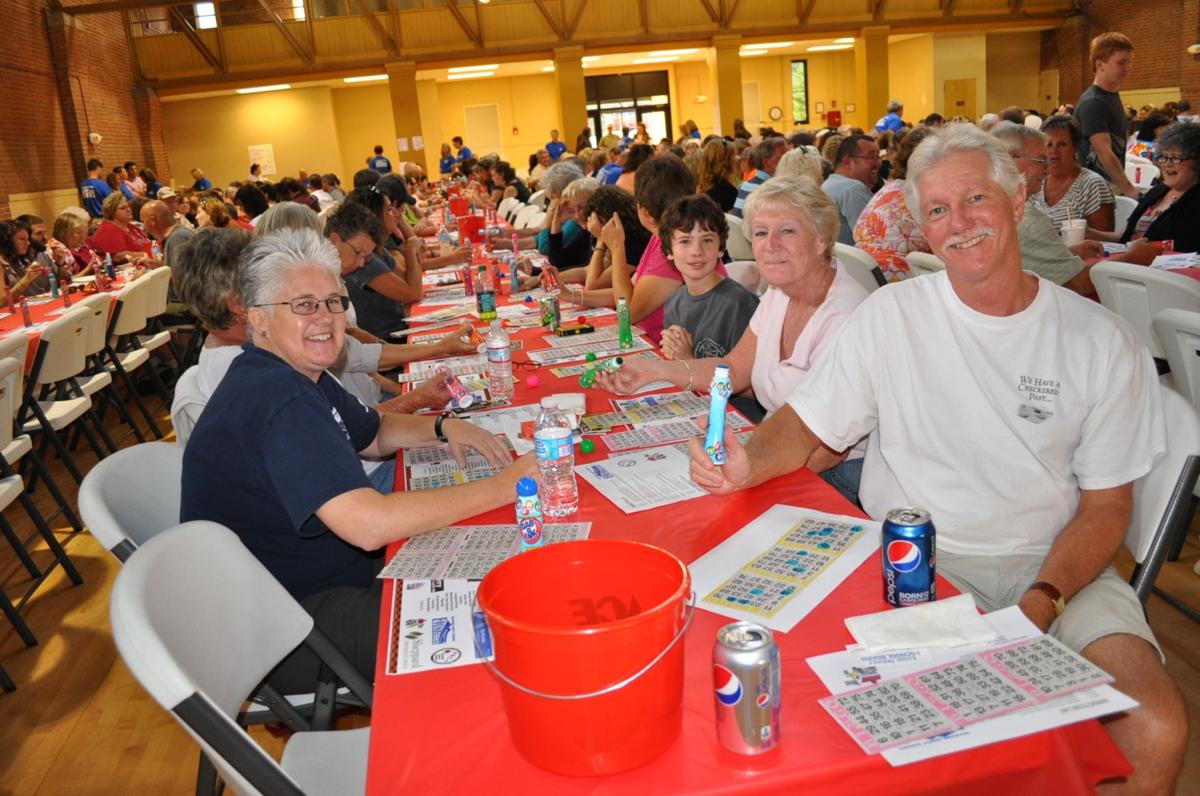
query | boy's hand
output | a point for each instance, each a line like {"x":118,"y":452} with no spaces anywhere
{"x":677,"y":343}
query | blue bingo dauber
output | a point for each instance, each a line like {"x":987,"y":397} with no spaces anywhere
{"x":719,"y":391}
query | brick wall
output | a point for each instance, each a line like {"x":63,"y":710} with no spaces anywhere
{"x":1160,"y":30}
{"x":68,"y":77}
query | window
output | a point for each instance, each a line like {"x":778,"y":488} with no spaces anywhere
{"x":298,"y":10}
{"x":206,"y":15}
{"x":800,"y":92}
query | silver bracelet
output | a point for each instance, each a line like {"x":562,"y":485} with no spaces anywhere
{"x":689,"y":370}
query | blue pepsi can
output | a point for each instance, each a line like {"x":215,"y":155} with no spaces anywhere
{"x":909,"y":557}
{"x":746,"y":679}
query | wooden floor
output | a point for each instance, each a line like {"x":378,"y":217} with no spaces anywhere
{"x":80,"y":724}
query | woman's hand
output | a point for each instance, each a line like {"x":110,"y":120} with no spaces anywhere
{"x":677,"y":343}
{"x":594,"y":226}
{"x":612,"y":234}
{"x":549,"y":269}
{"x":464,"y":436}
{"x":456,"y":342}
{"x":429,"y":393}
{"x":519,"y":468}
{"x":633,"y":374}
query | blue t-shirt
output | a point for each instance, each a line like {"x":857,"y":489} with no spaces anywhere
{"x":463,"y":154}
{"x":202,"y":184}
{"x":610,"y":173}
{"x":556,"y":149}
{"x":891,"y":121}
{"x":380,"y":164}
{"x":126,"y":191}
{"x":446,"y":164}
{"x":93,"y":192}
{"x":270,"y":449}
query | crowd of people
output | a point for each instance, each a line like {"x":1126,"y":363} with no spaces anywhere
{"x":291,"y":430}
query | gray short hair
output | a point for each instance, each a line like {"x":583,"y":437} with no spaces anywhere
{"x":951,"y":140}
{"x":802,"y":162}
{"x":895,"y":105}
{"x":1014,"y":136}
{"x":580,"y":190}
{"x":559,"y":176}
{"x":287,"y":215}
{"x":798,"y":195}
{"x":270,"y":259}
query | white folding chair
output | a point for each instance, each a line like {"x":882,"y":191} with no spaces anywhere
{"x":506,"y":205}
{"x":922,"y":263}
{"x":132,"y":496}
{"x":746,"y":274}
{"x":96,"y":378}
{"x":121,"y":350}
{"x":1140,"y":171}
{"x":538,"y":199}
{"x":1162,"y":499}
{"x":513,"y":209}
{"x":1178,"y":335}
{"x":523,"y":215}
{"x":1123,"y":210}
{"x":180,"y":616}
{"x":860,"y":265}
{"x":535,"y":219}
{"x":1138,"y":293}
{"x":738,"y":243}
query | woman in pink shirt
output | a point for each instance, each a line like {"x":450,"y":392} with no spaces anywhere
{"x":793,"y":226}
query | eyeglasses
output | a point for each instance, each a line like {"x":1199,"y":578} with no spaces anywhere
{"x":361,"y":255}
{"x":1039,"y":161}
{"x":307,"y":305}
{"x":1169,"y":159}
{"x":526,"y":364}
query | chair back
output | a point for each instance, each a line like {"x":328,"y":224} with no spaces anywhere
{"x":131,"y":308}
{"x":738,"y":243}
{"x":157,"y":291}
{"x":132,"y":495}
{"x":860,"y":265}
{"x":16,"y":345}
{"x":1138,"y":293}
{"x":182,"y":622}
{"x":538,"y":199}
{"x":1141,"y":172}
{"x":98,"y":305}
{"x":521,"y":221}
{"x":513,"y":209}
{"x":922,"y":263}
{"x":1162,"y":499}
{"x":746,"y":274}
{"x":1178,"y":334}
{"x":1123,"y":210}
{"x":63,"y":343}
{"x":535,"y":219}
{"x":11,"y":377}
{"x":506,"y":205}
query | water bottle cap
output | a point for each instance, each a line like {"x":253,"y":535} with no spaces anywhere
{"x":549,"y":402}
{"x":527,"y":487}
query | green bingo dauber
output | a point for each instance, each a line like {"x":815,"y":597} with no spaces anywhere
{"x":609,"y":365}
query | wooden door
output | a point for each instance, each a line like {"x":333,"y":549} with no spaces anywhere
{"x":959,"y":99}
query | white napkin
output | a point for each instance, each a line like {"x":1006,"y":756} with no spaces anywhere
{"x":952,"y":622}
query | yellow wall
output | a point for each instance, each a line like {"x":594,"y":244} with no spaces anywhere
{"x":1012,"y":70}
{"x":830,"y":78}
{"x":910,"y":76}
{"x":363,"y":118}
{"x":689,"y":80}
{"x":529,"y":104}
{"x":213,"y":133}
{"x":957,"y":58}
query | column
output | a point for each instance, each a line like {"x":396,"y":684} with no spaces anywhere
{"x":870,"y":75}
{"x":725,"y":81}
{"x":406,"y":110}
{"x":572,"y":93}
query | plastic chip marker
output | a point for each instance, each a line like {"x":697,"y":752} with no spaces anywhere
{"x":719,"y":391}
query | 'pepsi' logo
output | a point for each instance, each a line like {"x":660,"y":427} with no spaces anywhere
{"x":763,"y":700}
{"x":903,"y":556}
{"x":727,"y":685}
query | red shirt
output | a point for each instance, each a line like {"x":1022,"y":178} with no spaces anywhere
{"x":111,"y":239}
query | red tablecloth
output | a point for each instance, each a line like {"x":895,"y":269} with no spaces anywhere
{"x":40,"y":312}
{"x":445,"y":732}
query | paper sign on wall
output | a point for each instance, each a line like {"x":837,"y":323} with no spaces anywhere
{"x":402,"y":144}
{"x":418,"y":142}
{"x":263,"y":155}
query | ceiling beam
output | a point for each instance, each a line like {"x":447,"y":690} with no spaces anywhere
{"x":456,"y":12}
{"x":644,"y":15}
{"x":385,"y":38}
{"x":729,"y":15}
{"x":712,"y":13}
{"x":185,"y":27}
{"x":109,"y":6}
{"x":1015,"y":6}
{"x":880,"y":6}
{"x":292,"y":41}
{"x":579,"y":9}
{"x":550,"y":20}
{"x":807,"y":13}
{"x":947,"y":8}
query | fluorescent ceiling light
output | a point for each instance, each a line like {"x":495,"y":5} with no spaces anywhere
{"x":686,"y":51}
{"x":549,"y":68}
{"x":587,"y":59}
{"x":363,"y":78}
{"x":821,"y":48}
{"x":847,"y":40}
{"x":468,"y":75}
{"x":479,"y":68}
{"x":655,"y":60}
{"x":750,"y":53}
{"x":260,"y":89}
{"x":771,"y":45}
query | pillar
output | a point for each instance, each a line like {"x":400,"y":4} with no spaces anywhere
{"x":871,"y":75}
{"x":725,"y":81}
{"x":406,"y":110}
{"x":572,"y":93}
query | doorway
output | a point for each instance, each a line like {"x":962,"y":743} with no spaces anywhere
{"x":624,"y":100}
{"x":959,"y":98}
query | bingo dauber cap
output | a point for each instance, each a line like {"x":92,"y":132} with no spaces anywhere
{"x":527,"y":487}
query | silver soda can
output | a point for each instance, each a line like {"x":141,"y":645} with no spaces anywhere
{"x":746,"y":687}
{"x":551,"y":313}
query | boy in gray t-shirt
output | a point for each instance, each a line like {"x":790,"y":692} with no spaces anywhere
{"x":707,"y":316}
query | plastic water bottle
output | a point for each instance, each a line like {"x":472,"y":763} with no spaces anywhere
{"x":445,"y":242}
{"x":555,"y":449}
{"x":499,"y":356}
{"x":109,"y":269}
{"x":155,"y":250}
{"x":485,"y":294}
{"x":529,"y":515}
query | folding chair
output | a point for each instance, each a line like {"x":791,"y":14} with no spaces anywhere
{"x":860,"y":265}
{"x":506,"y":205}
{"x":516,"y":207}
{"x":180,"y":621}
{"x":123,"y":357}
{"x":922,"y":263}
{"x":538,"y":199}
{"x":738,"y":242}
{"x":1123,"y":210}
{"x":1178,"y":335}
{"x":535,"y":219}
{"x":746,"y":274}
{"x":1138,"y":293}
{"x":523,"y":215}
{"x":1163,"y":504}
{"x":97,"y":379}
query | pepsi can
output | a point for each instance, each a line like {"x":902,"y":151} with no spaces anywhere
{"x":909,"y":557}
{"x":746,"y":685}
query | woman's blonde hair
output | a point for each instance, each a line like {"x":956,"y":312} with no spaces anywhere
{"x":218,"y":212}
{"x":65,"y":224}
{"x":798,"y":195}
{"x":111,"y":202}
{"x":714,"y":165}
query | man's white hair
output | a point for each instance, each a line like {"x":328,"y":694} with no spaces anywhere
{"x":953,"y":139}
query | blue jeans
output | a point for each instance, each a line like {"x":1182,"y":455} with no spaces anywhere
{"x":844,"y":478}
{"x":383,"y":478}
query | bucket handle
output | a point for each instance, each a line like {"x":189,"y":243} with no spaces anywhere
{"x":608,"y":688}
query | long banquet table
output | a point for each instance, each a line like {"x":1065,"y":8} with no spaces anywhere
{"x":445,"y":731}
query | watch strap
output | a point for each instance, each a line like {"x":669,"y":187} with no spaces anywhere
{"x":1051,"y":591}
{"x":437,"y":426}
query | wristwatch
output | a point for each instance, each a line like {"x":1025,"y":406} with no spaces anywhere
{"x":1051,"y":591}
{"x":437,"y":426}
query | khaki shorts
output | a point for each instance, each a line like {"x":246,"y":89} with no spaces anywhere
{"x":1105,"y":606}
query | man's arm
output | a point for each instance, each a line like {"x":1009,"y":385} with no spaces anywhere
{"x":1084,"y":548}
{"x":1101,"y":144}
{"x":782,"y":444}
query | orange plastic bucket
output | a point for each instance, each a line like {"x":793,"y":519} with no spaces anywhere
{"x":587,"y":648}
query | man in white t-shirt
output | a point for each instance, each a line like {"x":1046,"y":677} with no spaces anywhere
{"x":1017,"y":412}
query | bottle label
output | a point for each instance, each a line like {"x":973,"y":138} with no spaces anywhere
{"x":486,"y":302}
{"x":552,"y":448}
{"x":498,"y":356}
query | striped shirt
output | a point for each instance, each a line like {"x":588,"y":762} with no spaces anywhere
{"x":1086,"y":195}
{"x":745,"y":188}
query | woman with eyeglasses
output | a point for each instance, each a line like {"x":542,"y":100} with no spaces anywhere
{"x":1170,"y":210}
{"x":1071,"y":191}
{"x":275,"y":454}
